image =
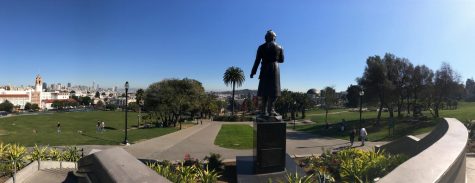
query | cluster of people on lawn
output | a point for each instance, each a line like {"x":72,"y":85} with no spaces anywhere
{"x":100,"y":127}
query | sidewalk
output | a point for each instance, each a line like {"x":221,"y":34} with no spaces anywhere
{"x":147,"y":148}
{"x":198,"y":141}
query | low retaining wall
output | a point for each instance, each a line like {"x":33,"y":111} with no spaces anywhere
{"x":439,"y":157}
{"x":32,"y":168}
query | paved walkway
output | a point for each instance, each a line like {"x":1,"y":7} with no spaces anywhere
{"x":470,"y":171}
{"x":198,"y":141}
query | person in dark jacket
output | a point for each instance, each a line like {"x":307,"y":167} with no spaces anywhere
{"x":269,"y":55}
{"x":352,"y":136}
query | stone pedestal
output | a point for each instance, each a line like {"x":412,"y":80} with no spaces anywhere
{"x":269,"y":144}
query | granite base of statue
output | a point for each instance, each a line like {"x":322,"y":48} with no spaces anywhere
{"x":270,"y":160}
{"x":269,"y":144}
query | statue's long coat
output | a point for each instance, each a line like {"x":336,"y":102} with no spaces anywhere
{"x":271,"y":55}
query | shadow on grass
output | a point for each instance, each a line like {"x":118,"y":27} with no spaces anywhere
{"x":403,"y":126}
{"x":98,"y":138}
{"x":110,"y":128}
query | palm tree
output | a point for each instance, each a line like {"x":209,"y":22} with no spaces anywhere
{"x":139,"y":100}
{"x":234,"y":76}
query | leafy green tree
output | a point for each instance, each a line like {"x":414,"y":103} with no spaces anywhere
{"x":139,"y":95}
{"x":446,"y":80}
{"x":6,"y":106}
{"x":86,"y":101}
{"x":233,"y":76}
{"x":284,"y":103}
{"x":353,"y":96}
{"x":170,"y":99}
{"x":302,"y":102}
{"x":35,"y":107}
{"x":375,"y":83}
{"x":97,"y":95}
{"x":421,"y":83}
{"x":27,"y":106}
{"x":111,"y":107}
{"x":329,"y":100}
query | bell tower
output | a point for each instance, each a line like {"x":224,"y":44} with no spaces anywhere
{"x":38,"y":83}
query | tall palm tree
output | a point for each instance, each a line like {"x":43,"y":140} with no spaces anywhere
{"x":234,"y":76}
{"x":139,"y":100}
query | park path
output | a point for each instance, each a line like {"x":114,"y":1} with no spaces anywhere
{"x":198,"y":141}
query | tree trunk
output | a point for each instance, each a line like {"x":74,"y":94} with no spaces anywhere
{"x":232,"y":107}
{"x":436,"y":110}
{"x":326,"y":115}
{"x":140,"y":116}
{"x":379,"y":114}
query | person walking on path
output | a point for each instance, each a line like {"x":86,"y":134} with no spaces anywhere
{"x":58,"y":128}
{"x":363,"y":135}
{"x":103,"y":126}
{"x":352,"y":137}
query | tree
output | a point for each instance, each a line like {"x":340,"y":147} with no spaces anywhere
{"x":27,"y":106}
{"x":6,"y":106}
{"x":99,"y":105}
{"x":446,"y":81}
{"x":421,"y":82}
{"x":375,"y":82}
{"x":470,"y":90}
{"x":353,"y":96}
{"x":98,"y":95}
{"x":170,"y":99}
{"x":111,"y":107}
{"x":329,"y":100}
{"x":302,"y":102}
{"x":86,"y":101}
{"x":284,"y":103}
{"x":139,"y":99}
{"x":35,"y":107}
{"x":233,"y":76}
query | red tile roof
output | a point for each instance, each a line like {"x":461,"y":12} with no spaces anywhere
{"x":13,"y":96}
{"x":52,"y":100}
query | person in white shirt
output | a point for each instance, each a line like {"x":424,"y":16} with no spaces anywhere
{"x":363,"y":135}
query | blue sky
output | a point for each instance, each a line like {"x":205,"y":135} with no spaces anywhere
{"x":326,"y":43}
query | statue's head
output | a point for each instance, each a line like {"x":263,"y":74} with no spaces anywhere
{"x":270,"y":36}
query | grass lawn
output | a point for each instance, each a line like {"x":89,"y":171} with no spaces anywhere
{"x":403,"y":126}
{"x":236,"y":136}
{"x":20,"y":129}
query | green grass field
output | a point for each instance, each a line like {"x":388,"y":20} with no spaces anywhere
{"x":403,"y":126}
{"x":235,"y":136}
{"x":20,"y":129}
{"x":240,"y":136}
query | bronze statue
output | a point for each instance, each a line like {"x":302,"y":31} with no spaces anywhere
{"x":271,"y":55}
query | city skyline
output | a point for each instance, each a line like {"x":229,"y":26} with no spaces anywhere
{"x":326,"y":43}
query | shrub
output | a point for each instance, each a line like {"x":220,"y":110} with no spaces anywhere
{"x":233,"y":118}
{"x":214,"y":162}
{"x":184,"y":174}
{"x":355,"y":165}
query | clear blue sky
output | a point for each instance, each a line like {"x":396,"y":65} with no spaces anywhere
{"x":326,"y":42}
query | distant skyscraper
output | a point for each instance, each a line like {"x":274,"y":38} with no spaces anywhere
{"x":45,"y":86}
{"x":94,"y":85}
{"x":69,"y":85}
{"x":97,"y":87}
{"x":115,"y":88}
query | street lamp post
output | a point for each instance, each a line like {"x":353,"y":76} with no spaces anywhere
{"x":126,"y":142}
{"x":361,"y":105}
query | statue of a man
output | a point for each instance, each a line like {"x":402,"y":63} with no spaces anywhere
{"x":269,"y":55}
